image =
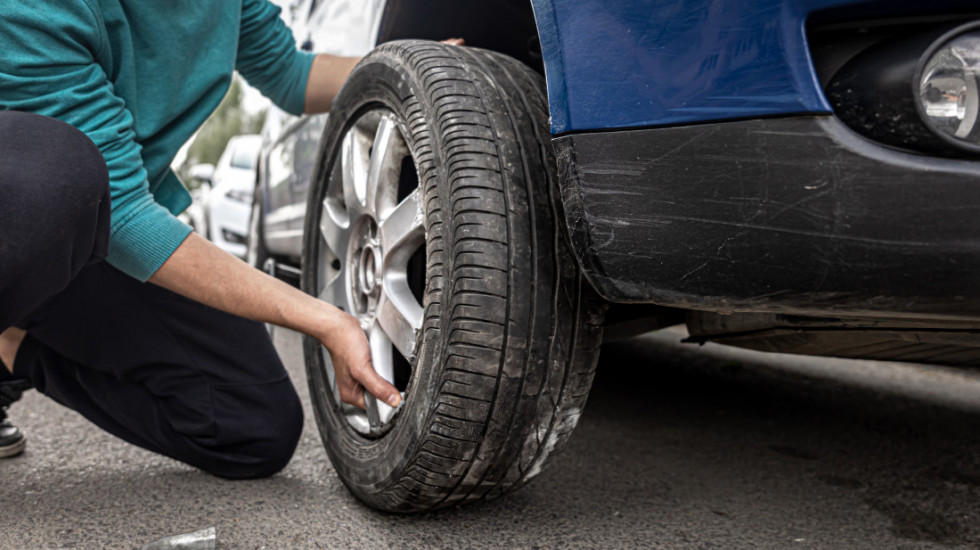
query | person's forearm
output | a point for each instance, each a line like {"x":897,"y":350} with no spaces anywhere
{"x":202,"y":272}
{"x":327,"y":76}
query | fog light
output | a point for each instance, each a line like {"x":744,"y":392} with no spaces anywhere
{"x":948,"y":95}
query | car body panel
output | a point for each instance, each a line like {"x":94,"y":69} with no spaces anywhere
{"x":278,"y":179}
{"x":792,"y":215}
{"x":647,"y":63}
{"x":701,"y":167}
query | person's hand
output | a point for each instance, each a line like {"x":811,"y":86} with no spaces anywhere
{"x":247,"y":292}
{"x":352,"y":367}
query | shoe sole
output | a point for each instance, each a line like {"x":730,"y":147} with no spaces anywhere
{"x":13,"y":449}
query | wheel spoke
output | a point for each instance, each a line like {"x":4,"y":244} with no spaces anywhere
{"x":336,"y":236}
{"x":399,"y":313}
{"x":384,"y":365}
{"x":385,"y":168}
{"x":335,"y":292}
{"x":400,"y":316}
{"x":402,"y":231}
{"x":381,"y":353}
{"x":331,"y":378}
{"x":354,"y":160}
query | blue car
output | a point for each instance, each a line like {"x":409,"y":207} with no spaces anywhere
{"x":797,"y":176}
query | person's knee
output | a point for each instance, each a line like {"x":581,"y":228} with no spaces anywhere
{"x":262,"y":433}
{"x":282,"y":430}
{"x":78,"y":156}
{"x":57,"y":163}
{"x":54,"y":208}
{"x":56,"y":186}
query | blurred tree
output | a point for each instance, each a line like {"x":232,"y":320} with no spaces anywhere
{"x":227,"y":121}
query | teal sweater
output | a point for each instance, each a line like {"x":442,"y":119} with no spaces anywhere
{"x":139,"y":77}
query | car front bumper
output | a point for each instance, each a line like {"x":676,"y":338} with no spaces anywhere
{"x":794,"y":215}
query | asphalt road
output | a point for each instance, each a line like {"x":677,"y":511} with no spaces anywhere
{"x":679,"y":447}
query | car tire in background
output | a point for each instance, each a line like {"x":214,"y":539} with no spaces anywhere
{"x":432,"y":219}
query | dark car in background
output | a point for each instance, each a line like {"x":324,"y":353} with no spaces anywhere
{"x":799,"y":176}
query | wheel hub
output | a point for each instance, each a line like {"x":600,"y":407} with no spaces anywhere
{"x":366,"y":262}
{"x":369,"y":268}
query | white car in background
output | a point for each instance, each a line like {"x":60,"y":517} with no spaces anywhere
{"x":230,"y":199}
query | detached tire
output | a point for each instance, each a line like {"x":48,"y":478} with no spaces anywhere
{"x":432,"y":218}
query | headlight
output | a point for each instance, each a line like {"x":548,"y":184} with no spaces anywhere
{"x":948,"y":98}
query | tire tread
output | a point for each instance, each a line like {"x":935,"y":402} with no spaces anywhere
{"x":517,"y":327}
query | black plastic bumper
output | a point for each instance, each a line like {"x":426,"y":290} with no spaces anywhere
{"x":792,"y":215}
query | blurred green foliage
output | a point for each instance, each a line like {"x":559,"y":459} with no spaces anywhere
{"x":227,"y":121}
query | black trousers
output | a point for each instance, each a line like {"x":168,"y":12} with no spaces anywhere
{"x":151,"y":367}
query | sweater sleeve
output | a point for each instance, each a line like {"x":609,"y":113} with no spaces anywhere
{"x":268,"y":58}
{"x":49,"y":67}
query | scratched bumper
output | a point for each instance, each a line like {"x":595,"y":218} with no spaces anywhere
{"x":791,"y":215}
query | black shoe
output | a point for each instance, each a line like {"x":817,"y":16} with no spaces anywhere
{"x":12,"y":441}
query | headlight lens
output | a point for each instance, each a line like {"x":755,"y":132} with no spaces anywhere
{"x":949,"y":98}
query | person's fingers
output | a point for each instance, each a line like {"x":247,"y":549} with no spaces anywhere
{"x":353,"y":371}
{"x":454,"y":41}
{"x":378,"y":386}
{"x":359,"y":400}
{"x":350,"y":391}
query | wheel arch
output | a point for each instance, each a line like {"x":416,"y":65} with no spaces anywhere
{"x":506,"y":26}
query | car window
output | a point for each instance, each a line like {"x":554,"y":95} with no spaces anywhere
{"x":244,"y":157}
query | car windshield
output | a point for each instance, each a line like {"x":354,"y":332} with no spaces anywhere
{"x":245,"y":156}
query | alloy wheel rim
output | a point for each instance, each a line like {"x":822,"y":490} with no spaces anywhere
{"x":369,"y":231}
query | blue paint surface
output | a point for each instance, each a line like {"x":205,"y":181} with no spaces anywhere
{"x":640,"y":63}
